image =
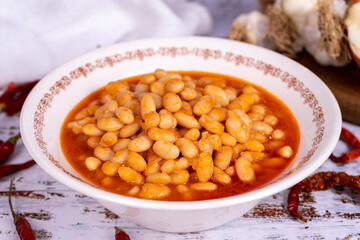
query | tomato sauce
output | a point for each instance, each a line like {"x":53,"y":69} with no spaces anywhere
{"x":76,"y":150}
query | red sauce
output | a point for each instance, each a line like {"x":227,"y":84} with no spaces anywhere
{"x":76,"y":150}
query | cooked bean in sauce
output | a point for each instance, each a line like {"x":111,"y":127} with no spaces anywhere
{"x":180,"y":136}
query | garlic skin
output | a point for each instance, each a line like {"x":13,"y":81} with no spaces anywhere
{"x":305,"y":14}
{"x":257,"y":26}
{"x":312,"y":40}
{"x":299,"y":12}
{"x":312,"y":36}
{"x":339,"y":8}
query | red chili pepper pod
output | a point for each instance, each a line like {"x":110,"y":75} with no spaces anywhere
{"x":293,"y":200}
{"x":5,"y":105}
{"x":121,"y":234}
{"x":12,"y":89}
{"x":14,"y":97}
{"x":350,"y":138}
{"x":8,"y":147}
{"x":354,"y":143}
{"x":11,"y":85}
{"x":23,"y":227}
{"x":17,"y":104}
{"x":319,"y":182}
{"x":12,"y":168}
{"x":7,"y":91}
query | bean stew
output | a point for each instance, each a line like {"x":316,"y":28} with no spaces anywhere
{"x":180,"y":136}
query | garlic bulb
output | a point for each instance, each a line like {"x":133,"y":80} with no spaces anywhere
{"x":299,"y":12}
{"x":252,"y":28}
{"x":311,"y":33}
{"x":305,"y":16}
{"x":312,"y":40}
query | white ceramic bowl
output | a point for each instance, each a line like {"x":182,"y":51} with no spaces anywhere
{"x":311,"y":102}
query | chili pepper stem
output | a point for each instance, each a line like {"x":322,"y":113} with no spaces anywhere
{"x":15,"y":216}
{"x":2,"y":107}
{"x":14,"y":139}
{"x":118,"y":230}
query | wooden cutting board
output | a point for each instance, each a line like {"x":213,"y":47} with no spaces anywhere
{"x":343,"y":82}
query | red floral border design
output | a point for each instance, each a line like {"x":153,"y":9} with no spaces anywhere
{"x":204,"y":53}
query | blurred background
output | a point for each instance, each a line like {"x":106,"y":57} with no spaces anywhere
{"x":38,"y":36}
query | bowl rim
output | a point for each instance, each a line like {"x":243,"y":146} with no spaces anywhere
{"x":257,"y":194}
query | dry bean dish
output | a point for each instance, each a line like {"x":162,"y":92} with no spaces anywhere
{"x":180,"y":136}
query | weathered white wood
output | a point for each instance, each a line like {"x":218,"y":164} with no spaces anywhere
{"x":57,"y":212}
{"x":66,"y":214}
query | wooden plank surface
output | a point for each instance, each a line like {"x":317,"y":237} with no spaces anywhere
{"x":56,"y":212}
{"x":343,"y":82}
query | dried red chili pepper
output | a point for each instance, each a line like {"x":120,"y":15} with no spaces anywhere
{"x":350,"y":138}
{"x":14,"y":97}
{"x":8,"y":147}
{"x":23,"y":227}
{"x":353,"y":142}
{"x":319,"y":182}
{"x":17,"y":88}
{"x":6,"y":104}
{"x":293,"y":200}
{"x":10,"y":85}
{"x":5,"y":100}
{"x":17,"y":104}
{"x":12,"y":168}
{"x":121,"y":234}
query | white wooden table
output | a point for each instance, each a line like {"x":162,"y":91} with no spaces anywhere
{"x":57,"y":212}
